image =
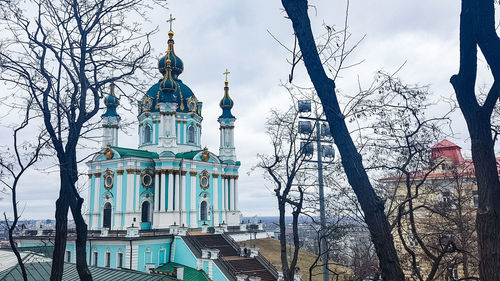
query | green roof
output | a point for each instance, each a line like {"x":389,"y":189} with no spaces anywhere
{"x":129,"y":152}
{"x":38,"y":268}
{"x":190,"y":273}
{"x":188,"y":155}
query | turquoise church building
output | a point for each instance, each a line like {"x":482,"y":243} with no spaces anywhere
{"x":169,"y":203}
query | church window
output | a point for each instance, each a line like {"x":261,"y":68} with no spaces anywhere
{"x":96,"y":255}
{"x":120,"y":260}
{"x":108,"y":181}
{"x":108,"y":259}
{"x":68,"y":256}
{"x":191,"y":134}
{"x":145,"y":211}
{"x":203,"y":211}
{"x":106,"y":221}
{"x":147,"y":180}
{"x":147,"y":133}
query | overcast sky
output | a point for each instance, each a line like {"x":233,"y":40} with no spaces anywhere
{"x":211,"y":36}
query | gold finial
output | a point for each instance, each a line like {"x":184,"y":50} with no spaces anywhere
{"x":168,"y":62}
{"x":226,"y":73}
{"x":170,"y":20}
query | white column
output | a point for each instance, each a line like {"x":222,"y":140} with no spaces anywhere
{"x":177,"y":191}
{"x":163,"y":190}
{"x":157,"y":191}
{"x":236,"y":193}
{"x":137,"y":189}
{"x":215,"y":201}
{"x":97,"y":192}
{"x":177,"y":130}
{"x":118,"y":209}
{"x":182,"y":197}
{"x":130,"y":190}
{"x":231,"y":186}
{"x":170,"y":188}
{"x":192,"y":193}
{"x":224,"y":195}
{"x":162,"y":125}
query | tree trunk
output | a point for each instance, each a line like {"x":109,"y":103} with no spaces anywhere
{"x":488,"y":184}
{"x":81,"y":241}
{"x":371,"y":204}
{"x":62,"y":207}
{"x":14,"y":248}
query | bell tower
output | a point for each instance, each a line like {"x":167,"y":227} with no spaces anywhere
{"x":226,"y":120}
{"x":110,"y":119}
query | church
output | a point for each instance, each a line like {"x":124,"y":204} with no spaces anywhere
{"x":169,"y":206}
{"x":170,"y":179}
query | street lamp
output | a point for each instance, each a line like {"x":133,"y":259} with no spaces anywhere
{"x":323,"y":150}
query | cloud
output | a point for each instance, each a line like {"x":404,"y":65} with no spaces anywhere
{"x":211,"y":37}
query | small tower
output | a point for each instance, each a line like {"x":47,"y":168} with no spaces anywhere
{"x":110,"y":119}
{"x":226,"y":121}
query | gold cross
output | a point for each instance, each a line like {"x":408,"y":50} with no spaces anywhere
{"x":226,"y":73}
{"x":170,"y":21}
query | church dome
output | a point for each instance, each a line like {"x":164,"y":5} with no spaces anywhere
{"x":176,"y":62}
{"x":111,"y":102}
{"x":226,"y":103}
{"x":168,"y":86}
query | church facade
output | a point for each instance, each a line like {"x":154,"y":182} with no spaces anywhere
{"x":169,"y":179}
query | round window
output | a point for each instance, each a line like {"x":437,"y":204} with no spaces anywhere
{"x":108,"y":181}
{"x":204,"y":181}
{"x":147,"y":180}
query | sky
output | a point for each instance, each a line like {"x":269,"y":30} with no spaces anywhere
{"x":211,"y":36}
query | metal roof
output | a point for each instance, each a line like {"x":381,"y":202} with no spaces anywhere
{"x":38,"y":269}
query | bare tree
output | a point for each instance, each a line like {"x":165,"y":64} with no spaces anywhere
{"x":371,"y":204}
{"x":283,"y":167}
{"x":14,"y":165}
{"x":62,"y":56}
{"x":477,"y":29}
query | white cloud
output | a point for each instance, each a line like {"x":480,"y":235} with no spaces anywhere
{"x":212,"y":36}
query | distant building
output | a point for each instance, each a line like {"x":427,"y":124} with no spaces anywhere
{"x":444,"y":215}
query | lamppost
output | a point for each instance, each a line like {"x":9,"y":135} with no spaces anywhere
{"x":323,"y":135}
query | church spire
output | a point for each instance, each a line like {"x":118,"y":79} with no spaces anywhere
{"x":226,"y":102}
{"x":110,"y":119}
{"x":226,"y":121}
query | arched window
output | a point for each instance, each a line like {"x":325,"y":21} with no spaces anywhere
{"x":147,"y":133}
{"x":191,"y":134}
{"x":203,"y":211}
{"x":145,"y":211}
{"x":106,"y":221}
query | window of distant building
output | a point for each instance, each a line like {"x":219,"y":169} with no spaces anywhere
{"x":68,"y":256}
{"x":475,"y":198}
{"x":412,"y":241}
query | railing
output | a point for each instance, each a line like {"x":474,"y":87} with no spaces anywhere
{"x":269,"y":266}
{"x":231,"y":242}
{"x":197,"y":246}
{"x":226,"y":267}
